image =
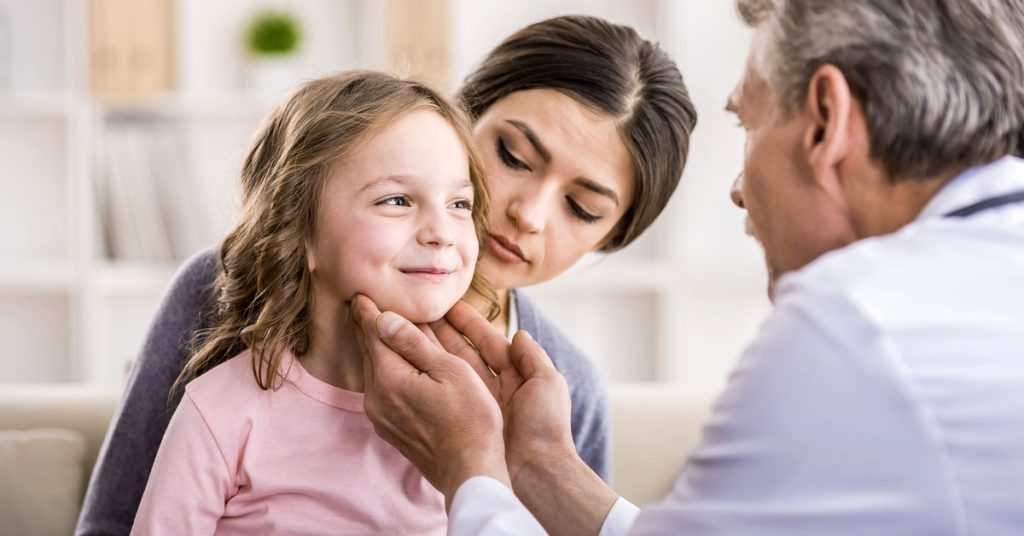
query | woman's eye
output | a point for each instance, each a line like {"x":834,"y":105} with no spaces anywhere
{"x":507,"y":157}
{"x":578,"y":212}
{"x":395,"y":201}
{"x":464,"y":204}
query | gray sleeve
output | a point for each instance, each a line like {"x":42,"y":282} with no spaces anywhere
{"x":138,"y":425}
{"x":590,"y":420}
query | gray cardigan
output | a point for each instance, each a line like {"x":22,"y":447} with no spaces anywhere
{"x":119,"y":477}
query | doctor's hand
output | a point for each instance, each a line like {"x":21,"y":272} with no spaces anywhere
{"x":547,"y":475}
{"x":431,"y":405}
{"x":532,"y":394}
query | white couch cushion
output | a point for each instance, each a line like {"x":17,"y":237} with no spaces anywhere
{"x":654,"y":428}
{"x":44,"y":480}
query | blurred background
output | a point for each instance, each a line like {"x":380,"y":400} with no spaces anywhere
{"x":123,"y":124}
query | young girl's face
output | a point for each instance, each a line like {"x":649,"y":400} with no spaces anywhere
{"x":395,"y":221}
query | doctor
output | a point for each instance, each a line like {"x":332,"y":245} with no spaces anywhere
{"x":884,"y":395}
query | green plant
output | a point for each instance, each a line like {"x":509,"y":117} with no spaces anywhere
{"x":273,"y":33}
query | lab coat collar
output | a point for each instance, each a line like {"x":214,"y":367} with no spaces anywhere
{"x":994,"y":179}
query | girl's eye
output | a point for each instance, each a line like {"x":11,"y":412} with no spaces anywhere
{"x":508,"y":159}
{"x":396,"y":201}
{"x":464,"y":204}
{"x":579,"y":213}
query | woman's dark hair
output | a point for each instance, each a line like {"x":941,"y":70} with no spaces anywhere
{"x":612,"y":70}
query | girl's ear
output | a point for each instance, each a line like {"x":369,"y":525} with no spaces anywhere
{"x":310,"y":257}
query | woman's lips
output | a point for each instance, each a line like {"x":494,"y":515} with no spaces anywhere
{"x":505,"y":251}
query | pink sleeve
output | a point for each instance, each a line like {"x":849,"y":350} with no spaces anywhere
{"x":190,"y":481}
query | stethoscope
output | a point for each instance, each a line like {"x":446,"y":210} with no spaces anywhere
{"x":986,"y":204}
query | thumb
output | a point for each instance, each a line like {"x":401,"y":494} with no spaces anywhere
{"x":387,"y":340}
{"x":528,"y":357}
{"x":408,"y":341}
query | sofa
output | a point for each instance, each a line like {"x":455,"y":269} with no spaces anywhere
{"x":50,"y":435}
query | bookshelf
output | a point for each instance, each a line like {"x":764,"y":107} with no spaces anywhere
{"x":75,"y":302}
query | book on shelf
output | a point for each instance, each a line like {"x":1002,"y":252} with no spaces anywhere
{"x":131,"y":47}
{"x":417,"y":40}
{"x":180,"y":206}
{"x":149,"y":212}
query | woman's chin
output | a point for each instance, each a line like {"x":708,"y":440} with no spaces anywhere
{"x":503,"y":276}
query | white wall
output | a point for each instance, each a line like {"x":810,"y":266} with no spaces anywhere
{"x":693,"y":290}
{"x":724,"y":276}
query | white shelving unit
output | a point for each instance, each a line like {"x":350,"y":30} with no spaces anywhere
{"x":69,"y":313}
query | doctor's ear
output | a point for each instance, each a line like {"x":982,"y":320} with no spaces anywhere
{"x":828,"y":105}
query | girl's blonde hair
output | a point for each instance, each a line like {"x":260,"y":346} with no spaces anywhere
{"x":263,"y":291}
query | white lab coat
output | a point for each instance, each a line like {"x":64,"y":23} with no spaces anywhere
{"x":884,"y":395}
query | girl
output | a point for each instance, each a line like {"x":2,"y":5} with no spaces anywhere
{"x":359,"y":183}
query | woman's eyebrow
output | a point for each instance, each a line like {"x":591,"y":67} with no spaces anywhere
{"x":598,"y":189}
{"x":531,"y":136}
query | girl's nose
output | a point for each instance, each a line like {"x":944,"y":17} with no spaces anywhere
{"x":436,"y":230}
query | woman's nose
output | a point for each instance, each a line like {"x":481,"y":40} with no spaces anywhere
{"x":527,"y":210}
{"x":736,"y":192}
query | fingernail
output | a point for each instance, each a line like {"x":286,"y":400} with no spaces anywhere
{"x":388,"y":323}
{"x":526,"y":333}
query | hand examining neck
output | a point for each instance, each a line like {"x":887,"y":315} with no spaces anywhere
{"x":547,"y":474}
{"x":429,"y":404}
{"x":458,"y":400}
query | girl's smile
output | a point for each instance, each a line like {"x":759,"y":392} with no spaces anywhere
{"x":428,"y":274}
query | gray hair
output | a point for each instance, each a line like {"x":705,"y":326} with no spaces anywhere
{"x":941,"y":81}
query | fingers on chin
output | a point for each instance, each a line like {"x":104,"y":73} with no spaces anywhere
{"x":364,"y":310}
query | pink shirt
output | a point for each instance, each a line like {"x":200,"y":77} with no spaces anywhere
{"x":302,"y":459}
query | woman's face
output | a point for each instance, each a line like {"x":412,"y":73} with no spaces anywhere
{"x":560,"y":179}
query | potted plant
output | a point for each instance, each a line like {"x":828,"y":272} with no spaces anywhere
{"x":272,"y":40}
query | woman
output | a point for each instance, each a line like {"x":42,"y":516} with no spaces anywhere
{"x":584,"y":127}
